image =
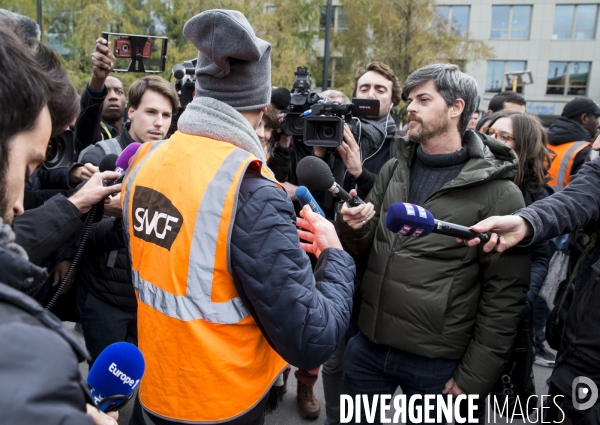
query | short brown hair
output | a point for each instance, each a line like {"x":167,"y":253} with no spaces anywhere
{"x":154,"y":83}
{"x":387,"y":72}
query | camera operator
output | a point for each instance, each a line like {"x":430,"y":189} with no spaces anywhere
{"x":39,"y":377}
{"x":102,"y":102}
{"x":375,"y":135}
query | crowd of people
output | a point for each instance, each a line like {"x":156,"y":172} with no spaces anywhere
{"x":205,"y":259}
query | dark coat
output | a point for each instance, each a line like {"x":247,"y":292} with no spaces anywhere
{"x":574,"y":207}
{"x":39,"y":374}
{"x":42,"y":231}
{"x":95,"y":154}
{"x":87,"y":128}
{"x":106,"y":264}
{"x":302,"y":316}
{"x":565,"y":130}
{"x":431,"y":296}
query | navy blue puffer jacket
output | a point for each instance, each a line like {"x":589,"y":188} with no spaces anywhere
{"x":302,"y":315}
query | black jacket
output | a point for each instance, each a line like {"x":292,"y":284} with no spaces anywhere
{"x":105,"y":266}
{"x":42,"y":231}
{"x":575,"y":207}
{"x":87,"y":128}
{"x":95,"y":154}
{"x":564,"y":130}
{"x":39,"y":375}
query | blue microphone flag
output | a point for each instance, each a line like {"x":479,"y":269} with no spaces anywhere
{"x":409,"y":219}
{"x":305,"y":198}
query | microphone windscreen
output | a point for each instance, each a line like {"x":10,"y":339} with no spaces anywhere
{"x":126,"y":155}
{"x":409,"y":220}
{"x":108,"y":163}
{"x":281,"y":98}
{"x":314,"y":173}
{"x":117,"y":370}
{"x":178,"y":71}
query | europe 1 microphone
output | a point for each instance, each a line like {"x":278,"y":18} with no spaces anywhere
{"x":413,"y":220}
{"x":115,"y":375}
{"x":315,"y":174}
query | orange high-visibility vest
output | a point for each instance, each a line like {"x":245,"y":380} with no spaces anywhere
{"x":206,"y":358}
{"x":562,"y":163}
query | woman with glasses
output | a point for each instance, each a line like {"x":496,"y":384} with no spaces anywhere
{"x":525,"y":134}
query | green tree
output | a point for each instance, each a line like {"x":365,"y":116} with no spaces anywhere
{"x":405,"y":34}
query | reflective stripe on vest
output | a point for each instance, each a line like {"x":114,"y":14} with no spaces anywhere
{"x":207,"y":360}
{"x":197,"y":303}
{"x":562,"y":165}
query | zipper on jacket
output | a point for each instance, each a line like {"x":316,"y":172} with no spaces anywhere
{"x":385,"y":274}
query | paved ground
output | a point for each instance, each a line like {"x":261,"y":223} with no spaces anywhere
{"x":287,"y":412}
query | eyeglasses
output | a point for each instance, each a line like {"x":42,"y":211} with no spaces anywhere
{"x":503,"y":136}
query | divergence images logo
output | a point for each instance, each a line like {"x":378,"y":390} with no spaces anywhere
{"x":584,"y":393}
{"x":155,"y":218}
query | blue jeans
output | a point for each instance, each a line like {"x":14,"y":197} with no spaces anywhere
{"x":376,"y":369}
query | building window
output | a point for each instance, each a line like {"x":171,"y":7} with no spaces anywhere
{"x":496,"y":81}
{"x":271,"y":9}
{"x":575,"y":21}
{"x":568,"y":78}
{"x":338,"y":20}
{"x":511,"y":22}
{"x":457,"y":18}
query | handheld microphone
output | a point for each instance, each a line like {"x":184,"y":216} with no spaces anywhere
{"x":108,"y":163}
{"x":413,"y":220}
{"x":122,"y":162}
{"x":305,"y":198}
{"x":281,"y":98}
{"x":315,"y":174}
{"x":115,"y":375}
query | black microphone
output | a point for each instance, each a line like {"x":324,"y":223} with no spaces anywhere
{"x":108,"y":163}
{"x":281,"y":98}
{"x":178,"y":71}
{"x":315,"y":174}
{"x":413,"y":220}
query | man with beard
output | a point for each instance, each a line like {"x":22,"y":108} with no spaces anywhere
{"x":39,"y":376}
{"x":436,"y":317}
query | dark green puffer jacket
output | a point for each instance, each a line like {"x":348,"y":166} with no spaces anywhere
{"x":432,"y":296}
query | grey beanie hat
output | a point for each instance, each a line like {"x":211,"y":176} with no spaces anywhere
{"x":234,"y":66}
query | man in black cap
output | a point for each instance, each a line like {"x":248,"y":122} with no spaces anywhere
{"x":569,"y":137}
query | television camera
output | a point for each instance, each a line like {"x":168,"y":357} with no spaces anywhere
{"x":319,"y":121}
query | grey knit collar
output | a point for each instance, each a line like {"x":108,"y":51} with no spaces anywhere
{"x":208,"y":117}
{"x":7,"y":241}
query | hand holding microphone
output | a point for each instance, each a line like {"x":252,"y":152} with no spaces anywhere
{"x":319,"y":232}
{"x":357,"y":217}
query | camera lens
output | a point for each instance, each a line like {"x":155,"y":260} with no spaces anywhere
{"x":125,"y":47}
{"x":297,"y":125}
{"x":326,"y":132}
{"x":52,"y":151}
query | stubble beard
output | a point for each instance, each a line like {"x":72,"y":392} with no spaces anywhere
{"x":430,"y":130}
